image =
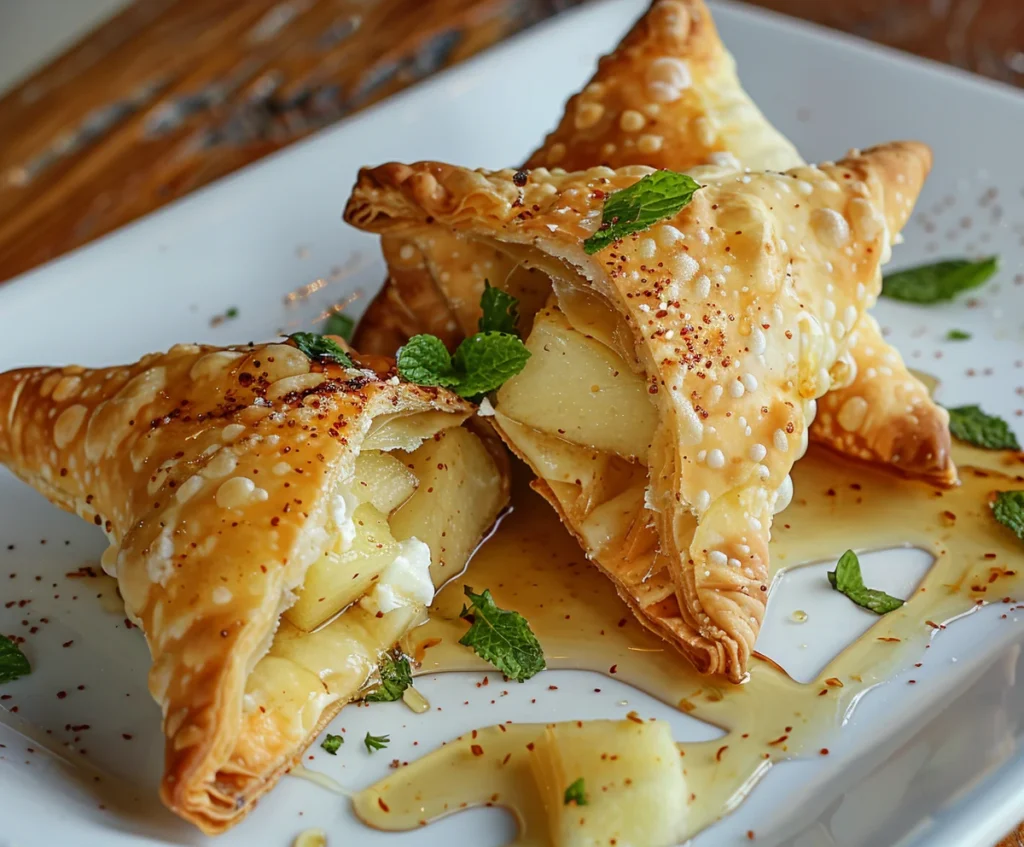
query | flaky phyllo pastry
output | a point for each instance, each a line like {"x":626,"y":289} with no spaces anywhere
{"x":674,"y":373}
{"x":275,"y":525}
{"x":667,"y":97}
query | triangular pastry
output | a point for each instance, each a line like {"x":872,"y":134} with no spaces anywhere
{"x":668,"y":97}
{"x":674,"y":373}
{"x":250,"y":495}
{"x":671,"y":72}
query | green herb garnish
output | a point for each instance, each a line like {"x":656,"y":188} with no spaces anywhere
{"x":501,"y":637}
{"x":971,"y":424}
{"x":231,"y":313}
{"x":482,"y":363}
{"x":339,"y":324}
{"x":332,"y":743}
{"x":576,"y":793}
{"x":657,"y":196}
{"x":846,"y":579}
{"x":13,"y":663}
{"x":1008,"y":509}
{"x":395,"y":677}
{"x":376,"y":742}
{"x":939,"y":281}
{"x":319,"y":348}
{"x":957,"y":335}
{"x":500,"y":311}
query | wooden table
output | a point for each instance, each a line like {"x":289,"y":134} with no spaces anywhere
{"x":172,"y":94}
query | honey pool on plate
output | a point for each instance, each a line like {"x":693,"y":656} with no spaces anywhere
{"x":533,"y":566}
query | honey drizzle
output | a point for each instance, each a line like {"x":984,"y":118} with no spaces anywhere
{"x":533,"y":566}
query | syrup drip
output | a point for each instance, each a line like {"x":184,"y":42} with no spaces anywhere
{"x":532,"y":565}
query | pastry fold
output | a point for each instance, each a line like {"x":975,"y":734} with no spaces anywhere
{"x":675,"y":372}
{"x":667,"y":97}
{"x":226,"y":479}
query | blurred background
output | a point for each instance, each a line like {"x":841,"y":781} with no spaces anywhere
{"x":112,"y":108}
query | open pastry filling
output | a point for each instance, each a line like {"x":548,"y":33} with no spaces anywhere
{"x":403,"y":524}
{"x":582,"y":415}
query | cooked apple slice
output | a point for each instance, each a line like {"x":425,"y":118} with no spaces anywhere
{"x":575,"y":387}
{"x":345,"y":573}
{"x":460,"y":489}
{"x":382,"y":480}
{"x":611,"y":782}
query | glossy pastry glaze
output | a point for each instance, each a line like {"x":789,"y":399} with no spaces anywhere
{"x":533,"y":566}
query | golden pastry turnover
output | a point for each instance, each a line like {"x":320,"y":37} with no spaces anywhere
{"x":675,"y":372}
{"x":276,"y":523}
{"x":668,"y":97}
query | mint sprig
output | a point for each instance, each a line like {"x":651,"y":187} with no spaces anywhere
{"x":501,"y":637}
{"x":576,"y":793}
{"x":376,"y":742}
{"x":425,"y":360}
{"x":13,"y":663}
{"x":972,"y":425}
{"x":1008,"y":509}
{"x":332,"y":743}
{"x":655,"y":197}
{"x":847,"y":579}
{"x":500,"y":311}
{"x":395,"y":677}
{"x":482,"y":363}
{"x":938,"y":281}
{"x":320,"y":349}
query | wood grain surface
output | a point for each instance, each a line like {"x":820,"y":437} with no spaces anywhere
{"x":171,"y":94}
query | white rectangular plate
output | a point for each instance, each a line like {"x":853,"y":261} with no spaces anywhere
{"x":939,"y":762}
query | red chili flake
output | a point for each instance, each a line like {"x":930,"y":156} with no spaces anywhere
{"x":823,"y":751}
{"x":476,"y":750}
{"x":61,"y":695}
{"x":721,"y":750}
{"x":68,"y":643}
{"x":127,"y":736}
{"x":778,"y":741}
{"x":633,"y":716}
{"x":613,"y":669}
{"x":750,"y":835}
{"x":383,"y":805}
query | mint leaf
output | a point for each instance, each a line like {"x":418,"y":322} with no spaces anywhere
{"x":319,"y":348}
{"x":846,"y":579}
{"x":332,"y":743}
{"x":500,"y":311}
{"x":1008,"y":509}
{"x":487,"y":360}
{"x":939,"y":281}
{"x":482,"y":362}
{"x":425,"y":360}
{"x":13,"y":663}
{"x":376,"y":742}
{"x":501,"y":637}
{"x":395,"y":677}
{"x":957,"y":335}
{"x":970,"y":424}
{"x":576,"y":793}
{"x":339,"y":324}
{"x":657,"y":196}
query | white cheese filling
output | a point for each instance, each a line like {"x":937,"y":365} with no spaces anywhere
{"x":405,"y":582}
{"x":343,"y":504}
